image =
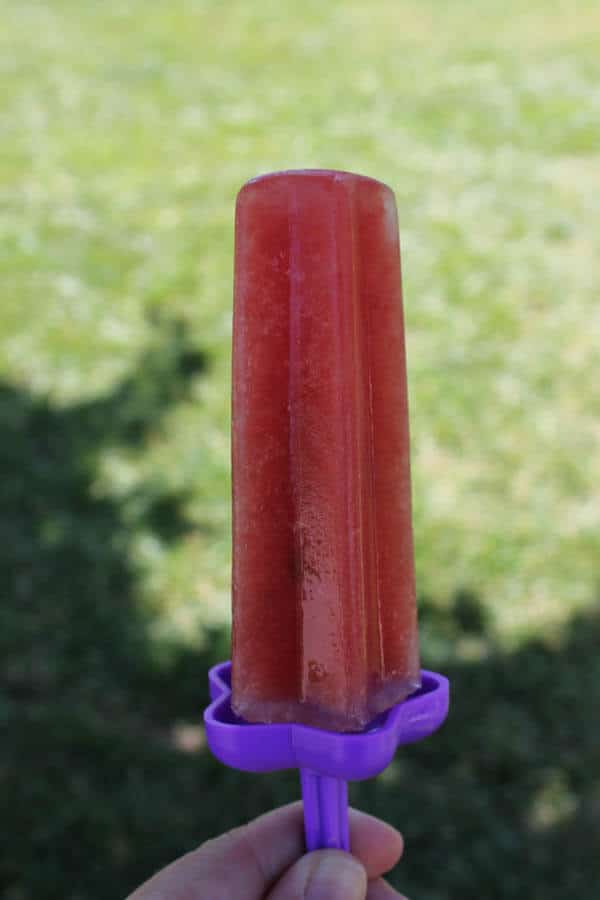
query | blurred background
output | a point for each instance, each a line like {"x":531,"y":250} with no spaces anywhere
{"x":126,"y":129}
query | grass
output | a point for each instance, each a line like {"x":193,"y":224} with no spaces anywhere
{"x":127,"y":129}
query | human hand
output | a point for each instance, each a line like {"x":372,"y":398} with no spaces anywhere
{"x":265,"y":860}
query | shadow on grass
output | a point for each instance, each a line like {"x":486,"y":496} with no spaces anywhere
{"x":86,"y":704}
{"x":504,"y":801}
{"x":103,"y":775}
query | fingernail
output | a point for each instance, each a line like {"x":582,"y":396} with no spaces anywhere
{"x":337,"y":876}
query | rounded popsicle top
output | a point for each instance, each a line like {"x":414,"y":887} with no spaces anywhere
{"x":328,"y":202}
{"x":316,"y":173}
{"x":331,"y":175}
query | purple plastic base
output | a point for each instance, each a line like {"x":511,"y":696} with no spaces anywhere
{"x":326,"y":759}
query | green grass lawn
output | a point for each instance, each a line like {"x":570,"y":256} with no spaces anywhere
{"x":125,"y":131}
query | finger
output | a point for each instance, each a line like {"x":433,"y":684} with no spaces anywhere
{"x":323,"y":875}
{"x":244,"y":862}
{"x":277,"y":838}
{"x":272,"y":842}
{"x":375,"y":843}
{"x":249,"y":860}
{"x":381,"y":890}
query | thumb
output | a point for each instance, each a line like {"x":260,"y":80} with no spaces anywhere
{"x":323,"y":875}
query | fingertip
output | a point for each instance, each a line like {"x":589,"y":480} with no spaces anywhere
{"x":376,"y":844}
{"x":337,"y":876}
{"x":323,"y":875}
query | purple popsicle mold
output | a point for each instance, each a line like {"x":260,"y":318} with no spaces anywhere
{"x":327,"y":760}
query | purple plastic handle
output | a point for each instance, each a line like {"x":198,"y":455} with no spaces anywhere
{"x":327,"y":760}
{"x":325,"y":801}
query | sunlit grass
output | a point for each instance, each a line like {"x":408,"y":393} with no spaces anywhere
{"x":128,"y":129}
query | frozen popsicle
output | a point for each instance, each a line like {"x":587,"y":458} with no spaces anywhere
{"x":324,"y":615}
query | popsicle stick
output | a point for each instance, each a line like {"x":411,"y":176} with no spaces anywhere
{"x":325,"y":811}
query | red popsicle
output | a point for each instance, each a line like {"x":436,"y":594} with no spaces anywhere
{"x":324,"y":614}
